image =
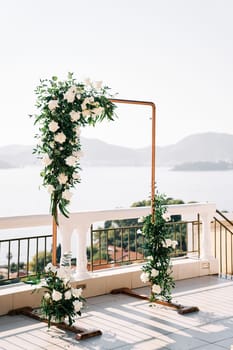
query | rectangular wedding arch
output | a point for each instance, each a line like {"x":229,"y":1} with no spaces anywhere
{"x":153,"y":135}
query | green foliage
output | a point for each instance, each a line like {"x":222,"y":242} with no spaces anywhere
{"x":158,"y":247}
{"x":64,"y":107}
{"x":60,"y":300}
{"x":39,"y":262}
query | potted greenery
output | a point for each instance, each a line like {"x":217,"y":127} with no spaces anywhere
{"x":60,"y":300}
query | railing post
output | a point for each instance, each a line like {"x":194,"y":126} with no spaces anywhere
{"x":206,"y":239}
{"x":83,"y":229}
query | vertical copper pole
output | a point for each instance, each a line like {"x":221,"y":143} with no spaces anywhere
{"x":153,"y":160}
{"x":54,"y":243}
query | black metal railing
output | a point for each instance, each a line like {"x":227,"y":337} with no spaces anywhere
{"x":117,"y":246}
{"x":23,"y":257}
{"x":223,"y":243}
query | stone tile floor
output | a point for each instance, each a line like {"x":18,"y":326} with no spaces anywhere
{"x":130,"y":323}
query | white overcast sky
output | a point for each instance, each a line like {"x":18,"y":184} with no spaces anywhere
{"x":176,"y":53}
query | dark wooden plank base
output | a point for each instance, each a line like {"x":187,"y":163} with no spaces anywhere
{"x":181,"y":309}
{"x":80,"y":333}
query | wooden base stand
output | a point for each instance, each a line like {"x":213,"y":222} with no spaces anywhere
{"x":181,"y":309}
{"x":80,"y":333}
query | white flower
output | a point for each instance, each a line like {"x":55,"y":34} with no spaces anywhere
{"x":62,"y":178}
{"x":174,"y":244}
{"x":141,"y":219}
{"x":47,"y":296}
{"x":78,"y":154}
{"x":76,"y":292}
{"x":78,"y":96}
{"x":98,"y":84}
{"x":73,"y":89}
{"x":68,"y":295}
{"x":98,"y":110}
{"x":86,"y":113}
{"x":46,"y":160}
{"x":50,"y":267}
{"x":60,"y":137}
{"x":74,"y":116}
{"x":145,"y":277}
{"x":154,"y":273}
{"x":71,"y":160}
{"x":78,"y":131}
{"x":53,"y":104}
{"x":77,"y":305}
{"x":156,"y":289}
{"x":50,"y":189}
{"x":56,"y":296}
{"x":150,"y":257}
{"x":167,"y":218}
{"x":87,"y":81}
{"x":53,"y":126}
{"x":69,"y":95}
{"x":76,"y":176}
{"x":168,"y":242}
{"x":67,"y":195}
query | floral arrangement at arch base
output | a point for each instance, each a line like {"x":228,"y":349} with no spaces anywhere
{"x":64,"y":108}
{"x":158,"y":247}
{"x":60,"y":300}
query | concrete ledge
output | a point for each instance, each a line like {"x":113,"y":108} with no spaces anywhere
{"x":103,"y":282}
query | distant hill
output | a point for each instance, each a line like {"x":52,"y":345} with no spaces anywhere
{"x":205,"y":147}
{"x":210,"y":147}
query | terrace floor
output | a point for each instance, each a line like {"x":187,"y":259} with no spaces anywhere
{"x":129,"y":323}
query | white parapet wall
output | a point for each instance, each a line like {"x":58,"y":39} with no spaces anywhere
{"x":102,"y":282}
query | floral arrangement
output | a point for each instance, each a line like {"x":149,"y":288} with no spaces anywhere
{"x":158,"y":247}
{"x":65,"y":107}
{"x":60,"y":300}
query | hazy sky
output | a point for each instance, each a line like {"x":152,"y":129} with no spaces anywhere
{"x":176,"y":53}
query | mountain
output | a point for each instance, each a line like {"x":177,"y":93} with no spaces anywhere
{"x":205,"y":147}
{"x":210,"y":147}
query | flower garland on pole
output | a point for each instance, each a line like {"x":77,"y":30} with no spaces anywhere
{"x":64,"y":107}
{"x":158,"y":248}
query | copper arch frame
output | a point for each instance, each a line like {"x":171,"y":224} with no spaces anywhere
{"x":153,"y":133}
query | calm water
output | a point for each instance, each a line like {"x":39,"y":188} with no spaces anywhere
{"x":112,"y":187}
{"x":106,"y":188}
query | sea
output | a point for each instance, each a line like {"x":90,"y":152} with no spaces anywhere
{"x":102,"y":188}
{"x":21,"y":192}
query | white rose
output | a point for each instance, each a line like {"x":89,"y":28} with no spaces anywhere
{"x":154,"y":273}
{"x":145,"y":277}
{"x":60,"y":137}
{"x":77,"y":305}
{"x":156,"y":289}
{"x":56,"y":296}
{"x":67,"y":195}
{"x":71,"y":160}
{"x":53,"y":104}
{"x":78,"y":96}
{"x":87,"y":82}
{"x":74,"y":116}
{"x":141,"y":219}
{"x":62,"y":178}
{"x":76,"y":292}
{"x":69,"y":96}
{"x":98,"y":84}
{"x":46,"y":160}
{"x":78,"y":131}
{"x":75,"y":176}
{"x":68,"y":295}
{"x":47,"y":296}
{"x":53,"y":126}
{"x":86,"y":113}
{"x":174,"y":244}
{"x":50,"y":267}
{"x":78,"y":154}
{"x":50,"y":189}
{"x":168,"y":242}
{"x":73,"y":89}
